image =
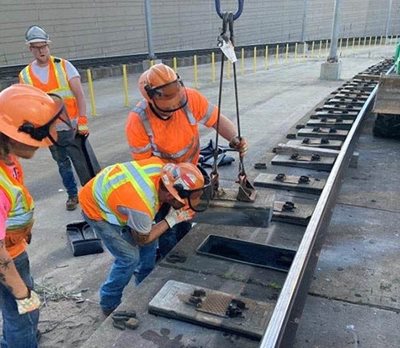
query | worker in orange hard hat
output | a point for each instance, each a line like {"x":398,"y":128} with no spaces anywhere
{"x":28,"y":118}
{"x":120,"y":204}
{"x":165,"y":124}
{"x":57,"y":75}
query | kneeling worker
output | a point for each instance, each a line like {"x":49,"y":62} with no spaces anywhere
{"x":120,"y":204}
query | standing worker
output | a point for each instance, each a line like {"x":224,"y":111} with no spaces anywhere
{"x":120,"y":204}
{"x":165,"y":124}
{"x":27,"y":122}
{"x":57,"y":75}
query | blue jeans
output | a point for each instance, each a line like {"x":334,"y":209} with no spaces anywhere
{"x":173,"y":235}
{"x":130,"y":259}
{"x":19,"y":331}
{"x":61,"y":156}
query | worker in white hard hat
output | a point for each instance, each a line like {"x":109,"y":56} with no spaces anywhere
{"x":59,"y":76}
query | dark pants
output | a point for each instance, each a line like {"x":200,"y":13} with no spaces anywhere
{"x":61,"y":155}
{"x":19,"y":331}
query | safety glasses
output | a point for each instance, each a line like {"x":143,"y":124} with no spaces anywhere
{"x":170,"y":97}
{"x":198,"y":199}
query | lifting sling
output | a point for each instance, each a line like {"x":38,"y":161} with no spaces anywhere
{"x":246,"y":192}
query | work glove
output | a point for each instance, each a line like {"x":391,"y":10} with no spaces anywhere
{"x":29,"y":303}
{"x":83,"y":127}
{"x":239,"y":144}
{"x":176,"y":216}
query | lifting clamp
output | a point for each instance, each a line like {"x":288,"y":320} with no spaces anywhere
{"x":246,"y":192}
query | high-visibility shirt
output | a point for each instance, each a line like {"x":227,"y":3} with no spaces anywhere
{"x":57,"y":83}
{"x":20,"y":216}
{"x":173,"y":140}
{"x":124,"y":193}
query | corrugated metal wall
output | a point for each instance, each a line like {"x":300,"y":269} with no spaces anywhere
{"x":93,"y":28}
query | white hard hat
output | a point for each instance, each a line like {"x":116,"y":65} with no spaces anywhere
{"x":36,"y":34}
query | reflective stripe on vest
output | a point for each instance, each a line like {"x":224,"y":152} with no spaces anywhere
{"x":63,"y":89}
{"x":132,"y":173}
{"x":194,"y":145}
{"x":22,"y":205}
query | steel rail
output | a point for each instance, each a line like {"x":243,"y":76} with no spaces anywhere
{"x":283,"y":324}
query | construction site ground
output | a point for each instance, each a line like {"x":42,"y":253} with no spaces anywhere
{"x":354,"y":297}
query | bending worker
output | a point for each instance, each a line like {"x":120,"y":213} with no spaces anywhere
{"x":27,"y":122}
{"x":165,"y":124}
{"x":120,"y":204}
{"x":57,"y":75}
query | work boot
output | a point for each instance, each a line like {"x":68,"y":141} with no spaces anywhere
{"x":72,"y":203}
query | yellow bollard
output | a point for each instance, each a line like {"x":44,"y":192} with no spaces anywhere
{"x":266,"y":57}
{"x":312,"y":49}
{"x":91,"y":92}
{"x":255,"y":60}
{"x":287,"y":53}
{"x":196,"y":85}
{"x":242,"y":61}
{"x":151,"y":62}
{"x":277,"y":54}
{"x":212,"y":66}
{"x":175,"y":64}
{"x":320,"y":49}
{"x":295,"y":51}
{"x":125,"y":85}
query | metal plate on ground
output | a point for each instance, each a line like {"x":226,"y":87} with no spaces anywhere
{"x":338,"y":123}
{"x":172,"y":302}
{"x":324,"y":163}
{"x":255,"y":254}
{"x":323,"y":132}
{"x":341,"y":107}
{"x":343,"y":114}
{"x":290,"y":182}
{"x":346,"y":101}
{"x":227,"y":210}
{"x":361,"y":95}
{"x":292,"y":213}
{"x":317,"y":142}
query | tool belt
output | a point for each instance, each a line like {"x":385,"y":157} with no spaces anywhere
{"x":14,"y":237}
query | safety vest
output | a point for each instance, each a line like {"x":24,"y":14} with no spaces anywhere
{"x":189,"y":152}
{"x":134,"y":183}
{"x":57,"y":83}
{"x":20,"y":218}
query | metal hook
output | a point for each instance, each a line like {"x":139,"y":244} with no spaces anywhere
{"x":236,"y":15}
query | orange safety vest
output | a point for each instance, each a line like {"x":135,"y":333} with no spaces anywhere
{"x":133,"y":185}
{"x":57,"y":83}
{"x":20,"y":218}
{"x":173,"y":140}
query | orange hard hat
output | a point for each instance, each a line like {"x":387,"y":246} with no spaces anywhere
{"x":24,"y":109}
{"x":162,"y":86}
{"x":178,"y":177}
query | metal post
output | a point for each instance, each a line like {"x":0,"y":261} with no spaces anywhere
{"x":332,"y":57}
{"x":389,"y":15}
{"x":147,"y":10}
{"x":303,"y":26}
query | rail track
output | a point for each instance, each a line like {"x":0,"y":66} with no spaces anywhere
{"x":327,"y":128}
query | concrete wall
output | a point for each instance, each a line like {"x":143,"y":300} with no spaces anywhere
{"x":93,"y":28}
